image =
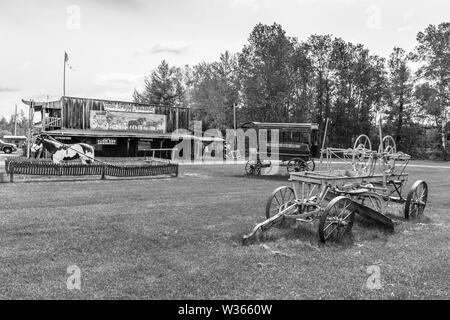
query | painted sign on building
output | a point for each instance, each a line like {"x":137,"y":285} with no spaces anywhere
{"x":127,"y":107}
{"x":127,"y":121}
{"x":107,"y":141}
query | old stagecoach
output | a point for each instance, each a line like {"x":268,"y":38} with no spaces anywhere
{"x":297,"y":144}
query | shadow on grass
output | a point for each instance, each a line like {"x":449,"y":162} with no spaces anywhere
{"x":109,"y":179}
{"x":294,"y":231}
{"x":267,"y":177}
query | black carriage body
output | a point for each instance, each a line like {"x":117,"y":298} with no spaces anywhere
{"x":296,"y":140}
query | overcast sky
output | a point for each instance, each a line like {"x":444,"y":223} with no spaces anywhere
{"x":112,"y":44}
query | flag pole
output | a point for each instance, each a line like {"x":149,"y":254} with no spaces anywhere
{"x":64,"y":74}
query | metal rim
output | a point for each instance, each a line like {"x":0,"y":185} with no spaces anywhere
{"x":311,"y":165}
{"x":279,"y":200}
{"x":337,"y":219}
{"x":362,"y":143}
{"x":389,"y":145}
{"x":416,"y":200}
{"x":361,"y":150}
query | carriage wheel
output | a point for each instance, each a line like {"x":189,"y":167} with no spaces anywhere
{"x":310,"y":165}
{"x":416,"y":200}
{"x":297,"y":165}
{"x":279,"y":200}
{"x":337,"y":219}
{"x":250,"y":167}
{"x":389,"y":145}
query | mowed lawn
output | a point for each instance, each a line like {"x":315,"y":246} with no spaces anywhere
{"x":180,"y":238}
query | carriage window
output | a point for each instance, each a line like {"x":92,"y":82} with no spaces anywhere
{"x":295,"y":136}
{"x":314,"y":137}
{"x":305,"y":137}
{"x":286,"y":137}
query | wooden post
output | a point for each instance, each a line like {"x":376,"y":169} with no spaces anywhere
{"x":103,"y":172}
{"x":11,"y":172}
{"x":30,"y":126}
{"x":380,"y":129}
{"x":323,"y":141}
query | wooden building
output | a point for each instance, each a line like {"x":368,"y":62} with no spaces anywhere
{"x":114,"y":128}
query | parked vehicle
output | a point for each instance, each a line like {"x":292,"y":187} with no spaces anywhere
{"x":297,"y":145}
{"x":7,"y":147}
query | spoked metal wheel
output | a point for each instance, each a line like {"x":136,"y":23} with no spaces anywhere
{"x":362,"y":143}
{"x":296,"y":165}
{"x":337,"y":219}
{"x":361,"y":152}
{"x":416,"y":200}
{"x":280,"y":199}
{"x":389,"y":145}
{"x":252,"y":168}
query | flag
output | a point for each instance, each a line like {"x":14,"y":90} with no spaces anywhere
{"x":66,"y":60}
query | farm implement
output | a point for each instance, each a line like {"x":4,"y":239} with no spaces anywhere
{"x":373,"y":181}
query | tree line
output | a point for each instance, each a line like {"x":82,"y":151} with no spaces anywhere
{"x":278,"y":78}
{"x":7,"y":127}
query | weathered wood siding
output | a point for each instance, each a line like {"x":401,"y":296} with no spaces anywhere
{"x":76,"y":113}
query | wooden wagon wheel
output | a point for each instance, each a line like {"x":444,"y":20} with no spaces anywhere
{"x":416,"y":200}
{"x":337,"y":219}
{"x":296,"y":165}
{"x":279,"y":200}
{"x":252,"y":168}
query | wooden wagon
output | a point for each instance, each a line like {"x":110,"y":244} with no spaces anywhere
{"x":334,"y":197}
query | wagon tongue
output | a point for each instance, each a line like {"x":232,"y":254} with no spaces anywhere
{"x":374,"y":216}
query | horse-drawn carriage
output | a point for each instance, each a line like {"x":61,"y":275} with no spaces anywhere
{"x":366,"y":185}
{"x":296,"y":145}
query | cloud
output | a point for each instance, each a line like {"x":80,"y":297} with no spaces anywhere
{"x":176,"y":47}
{"x":25,"y":65}
{"x":118,"y":79}
{"x":406,"y":28}
{"x":7,"y":89}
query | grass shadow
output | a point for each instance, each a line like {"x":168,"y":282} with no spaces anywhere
{"x":265,"y":177}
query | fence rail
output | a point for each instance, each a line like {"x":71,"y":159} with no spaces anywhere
{"x":27,"y":167}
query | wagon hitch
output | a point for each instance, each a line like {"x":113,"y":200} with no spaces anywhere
{"x":266,"y":225}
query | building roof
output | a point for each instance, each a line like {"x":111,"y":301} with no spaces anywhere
{"x":55,"y":104}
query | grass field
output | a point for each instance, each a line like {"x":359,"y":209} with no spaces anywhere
{"x":179,"y":238}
